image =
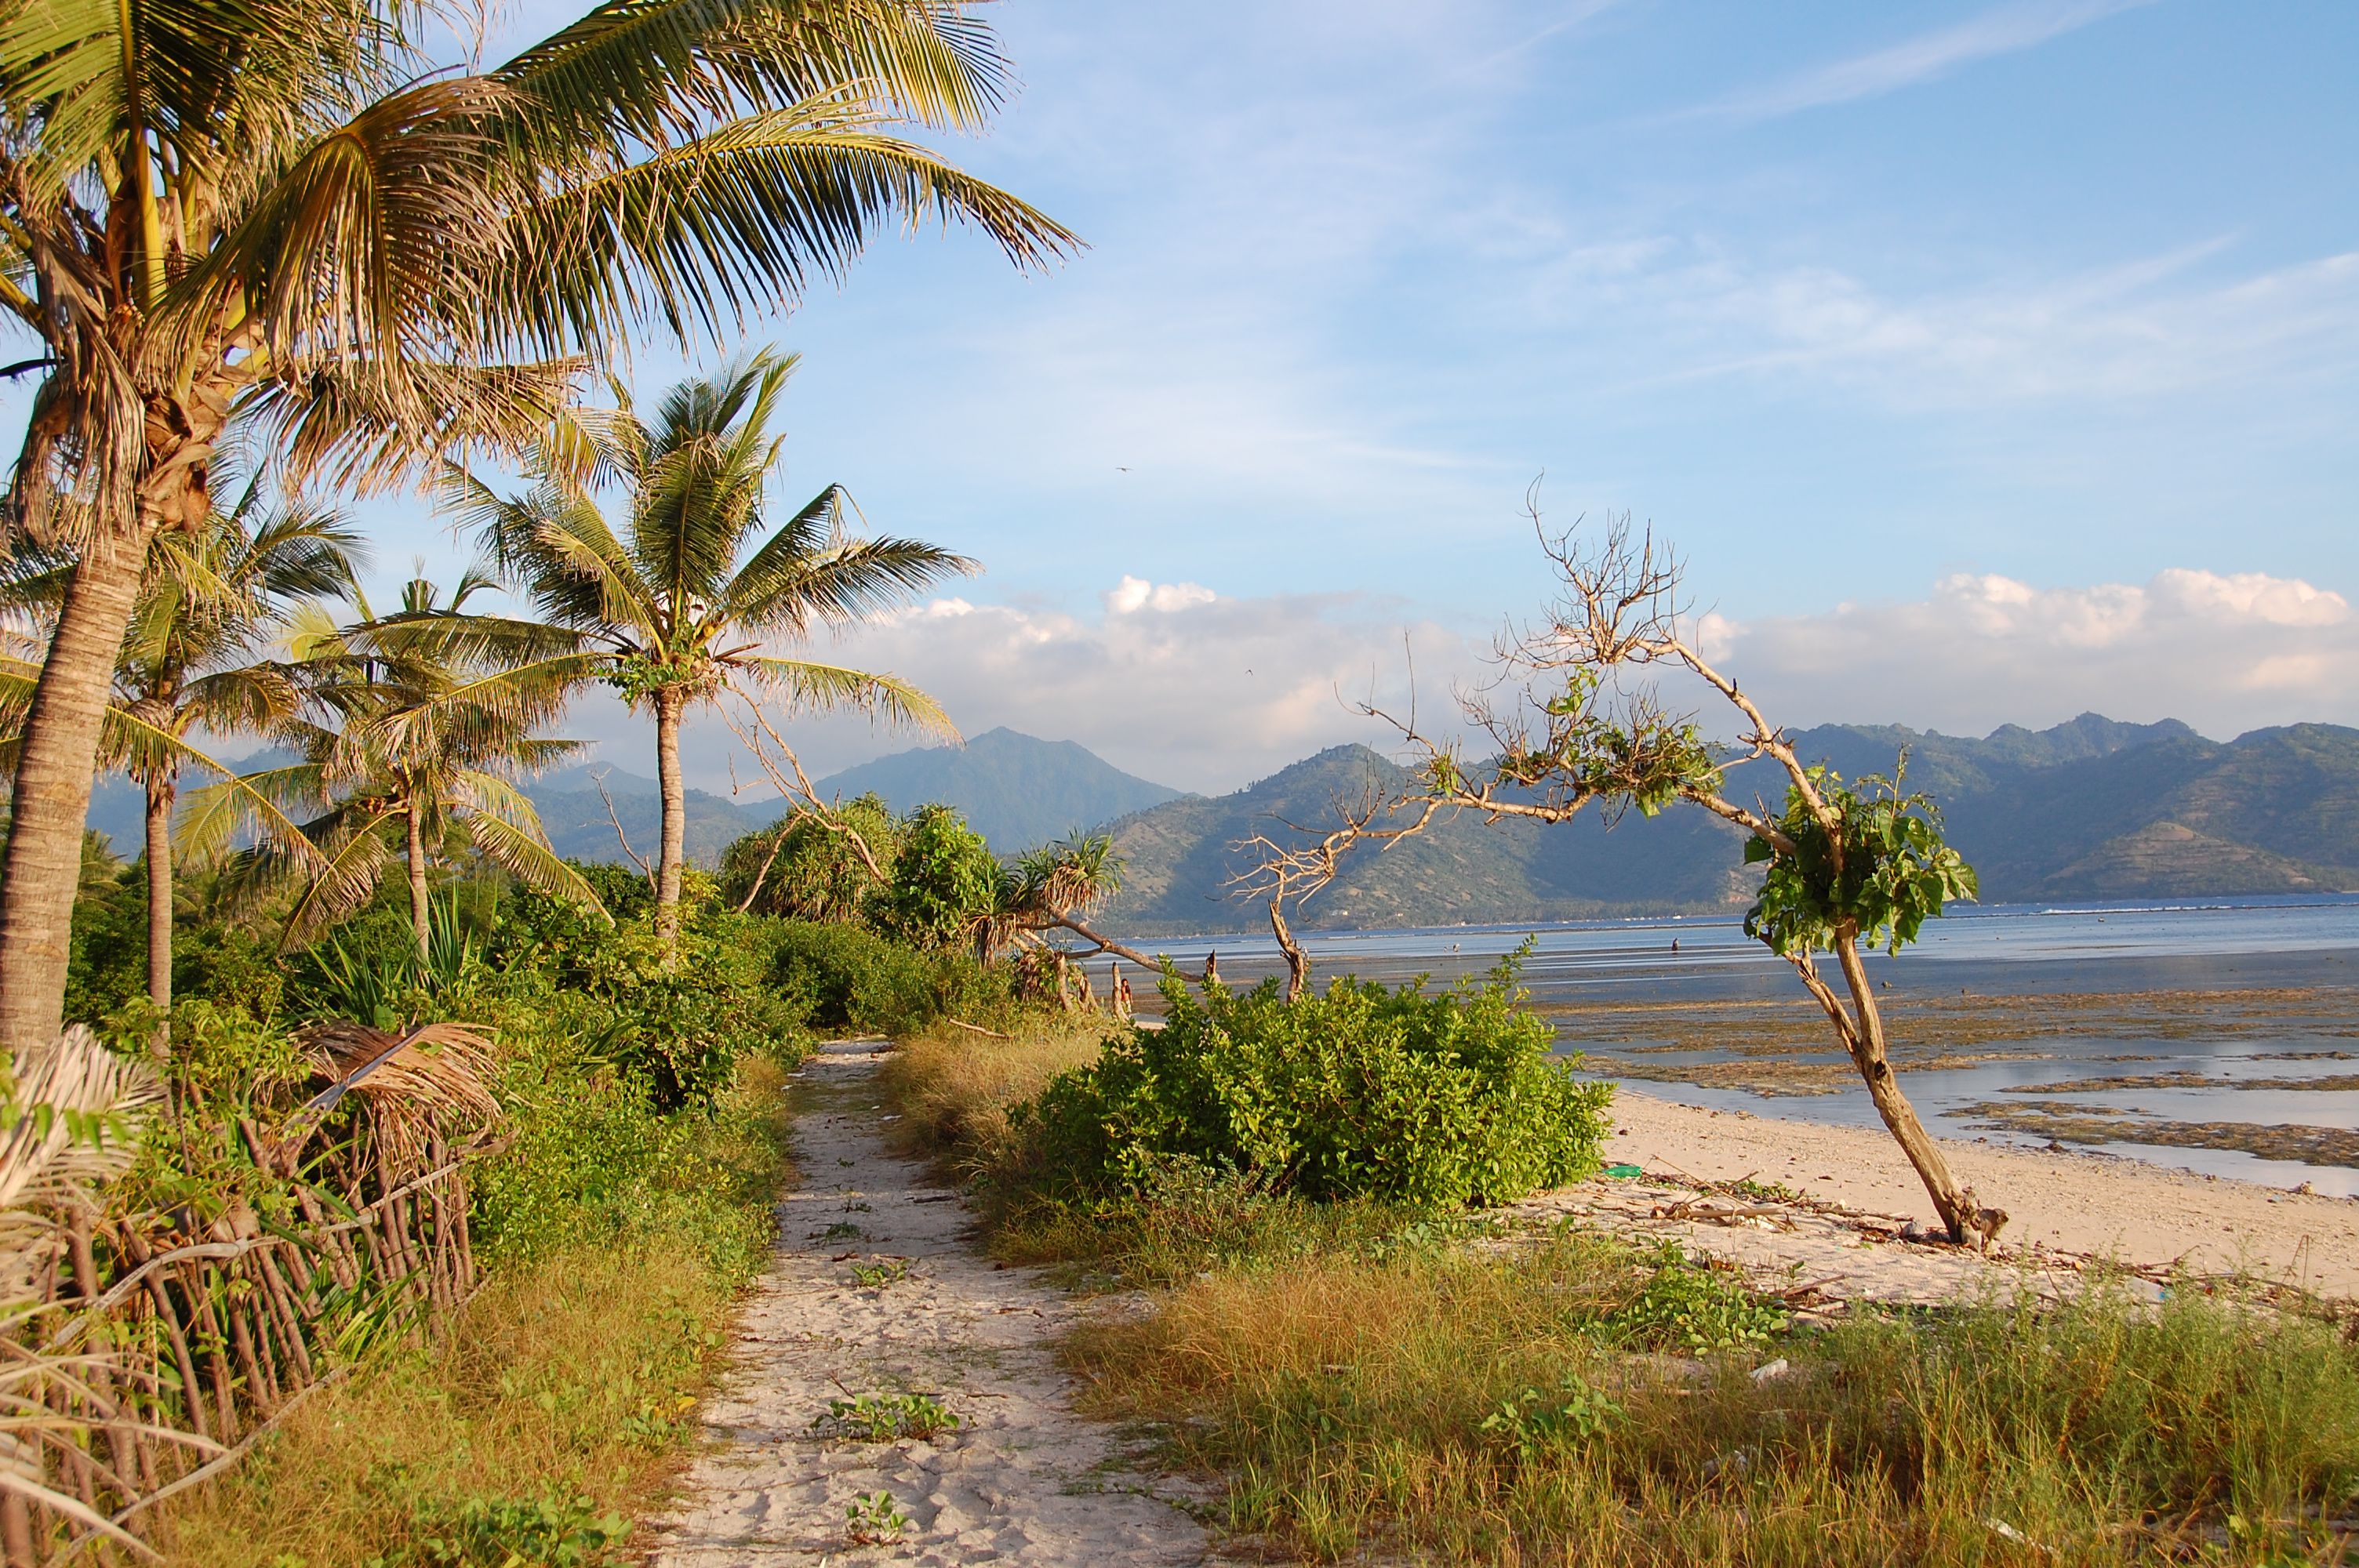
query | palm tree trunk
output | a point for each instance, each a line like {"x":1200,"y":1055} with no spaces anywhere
{"x":159,"y":891}
{"x":417,"y":898}
{"x":54,"y":771}
{"x":668,"y":704}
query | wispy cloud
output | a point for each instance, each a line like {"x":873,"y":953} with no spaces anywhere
{"x":1929,"y":57}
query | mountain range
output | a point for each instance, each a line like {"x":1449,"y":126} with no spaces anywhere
{"x":2088,"y":809}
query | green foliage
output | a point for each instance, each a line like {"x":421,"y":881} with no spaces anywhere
{"x":817,"y":874}
{"x":873,"y":1519}
{"x":1692,"y":1306}
{"x":1536,"y":1420}
{"x":848,"y":978}
{"x":1895,"y":874}
{"x":887,"y":1418}
{"x":552,"y":1530}
{"x":1450,"y":1098}
{"x":876,"y":1276}
{"x":944,"y":880}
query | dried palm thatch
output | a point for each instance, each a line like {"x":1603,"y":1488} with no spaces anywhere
{"x":72,"y":1122}
{"x":434,"y":1075}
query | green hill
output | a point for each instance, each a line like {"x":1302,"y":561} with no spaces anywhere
{"x":2088,"y":809}
{"x":1017,"y":792}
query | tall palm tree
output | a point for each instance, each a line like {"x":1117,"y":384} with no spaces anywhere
{"x":289,"y":212}
{"x":673,"y":611}
{"x":410,"y":751}
{"x":196,"y":657}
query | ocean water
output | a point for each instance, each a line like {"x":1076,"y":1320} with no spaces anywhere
{"x":2245,"y":990}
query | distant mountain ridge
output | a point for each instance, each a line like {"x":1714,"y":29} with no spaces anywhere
{"x":1018,"y":791}
{"x":2091,"y":808}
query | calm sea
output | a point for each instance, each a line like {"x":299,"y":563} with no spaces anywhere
{"x":2056,"y":958}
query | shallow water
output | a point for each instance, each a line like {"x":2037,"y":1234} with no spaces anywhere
{"x":2045,"y":993}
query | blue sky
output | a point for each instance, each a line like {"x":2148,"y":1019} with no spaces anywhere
{"x":1989,"y":361}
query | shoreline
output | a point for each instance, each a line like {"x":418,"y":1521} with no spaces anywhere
{"x":2083,"y":1201}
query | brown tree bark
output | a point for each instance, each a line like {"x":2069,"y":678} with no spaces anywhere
{"x":159,"y":890}
{"x":418,"y":905}
{"x":56,"y":764}
{"x":1955,"y":1205}
{"x":668,"y":704}
{"x":1297,"y":962}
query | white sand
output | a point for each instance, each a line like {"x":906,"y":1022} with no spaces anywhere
{"x":1023,"y":1479}
{"x":2083,"y":1204}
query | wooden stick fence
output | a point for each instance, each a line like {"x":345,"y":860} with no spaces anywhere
{"x":152,"y":1359}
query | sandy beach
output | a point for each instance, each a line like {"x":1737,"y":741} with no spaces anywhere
{"x":2067,"y":1202}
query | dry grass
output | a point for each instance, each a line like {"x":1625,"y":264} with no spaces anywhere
{"x":1474,"y":1407}
{"x":953,"y":1086}
{"x":555,"y":1411}
{"x":573,"y":1382}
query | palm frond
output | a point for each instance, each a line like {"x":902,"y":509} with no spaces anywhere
{"x":813,"y":687}
{"x":779,"y":590}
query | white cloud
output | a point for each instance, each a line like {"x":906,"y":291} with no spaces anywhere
{"x":2225,"y":652}
{"x":2005,"y":31}
{"x":1173,"y":682}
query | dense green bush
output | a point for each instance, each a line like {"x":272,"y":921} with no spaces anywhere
{"x":944,"y":878}
{"x":1445,"y":1098}
{"x":815,"y":873}
{"x":849,"y":978}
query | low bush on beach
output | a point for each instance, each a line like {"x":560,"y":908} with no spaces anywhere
{"x":1364,"y":1091}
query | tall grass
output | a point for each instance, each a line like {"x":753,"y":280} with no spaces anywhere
{"x":953,"y":1086}
{"x":1470,"y":1407}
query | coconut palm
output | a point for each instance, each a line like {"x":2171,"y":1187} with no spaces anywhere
{"x":673,"y":611}
{"x":412,"y":750}
{"x":290,"y":212}
{"x":194,"y":659}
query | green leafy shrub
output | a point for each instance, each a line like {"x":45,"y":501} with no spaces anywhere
{"x":1446,"y":1098}
{"x":848,"y":978}
{"x":944,"y":878}
{"x":547,"y":1531}
{"x":815,"y":873}
{"x":1689,"y":1305}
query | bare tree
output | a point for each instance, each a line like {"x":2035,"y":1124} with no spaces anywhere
{"x":1569,"y":729}
{"x":1299,"y":872}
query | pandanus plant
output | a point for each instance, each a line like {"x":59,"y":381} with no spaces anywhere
{"x":296,"y":213}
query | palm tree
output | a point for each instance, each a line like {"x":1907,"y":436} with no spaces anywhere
{"x":215,"y":211}
{"x":413,"y":750}
{"x":673,"y":611}
{"x":192,"y":659}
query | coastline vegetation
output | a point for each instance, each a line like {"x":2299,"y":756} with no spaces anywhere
{"x":1423,"y":1380}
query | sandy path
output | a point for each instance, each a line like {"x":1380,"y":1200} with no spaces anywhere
{"x":2069,"y":1201}
{"x":1022,"y":1479}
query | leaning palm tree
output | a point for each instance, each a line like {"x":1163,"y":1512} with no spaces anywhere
{"x":410,"y":752}
{"x":196,"y":659}
{"x":215,"y":210}
{"x":672,"y":611}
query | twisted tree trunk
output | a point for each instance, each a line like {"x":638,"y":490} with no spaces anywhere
{"x":56,"y":764}
{"x":668,"y":704}
{"x":1961,"y":1214}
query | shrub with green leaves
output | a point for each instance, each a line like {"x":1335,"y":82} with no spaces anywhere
{"x":1446,"y":1098}
{"x":847,"y":977}
{"x":944,"y":878}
